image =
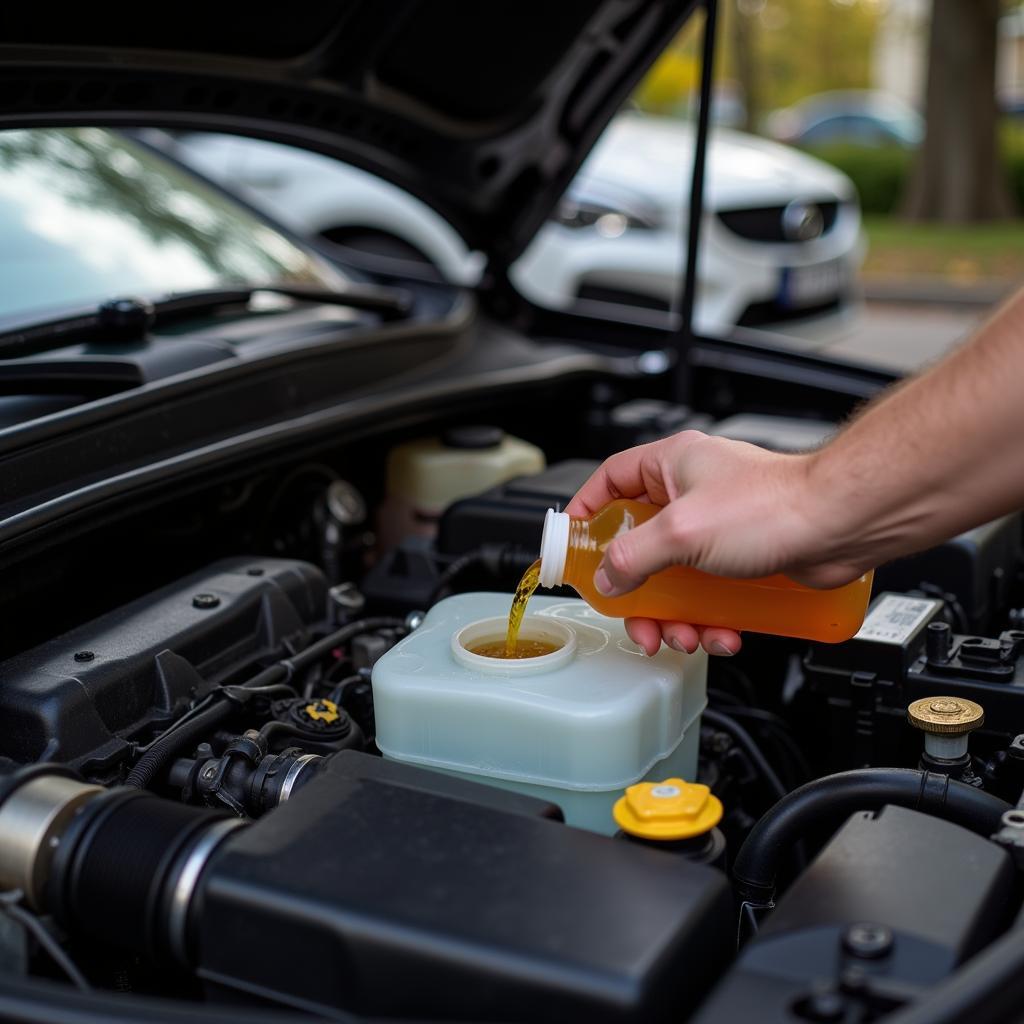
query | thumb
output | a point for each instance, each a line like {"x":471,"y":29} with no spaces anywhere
{"x":630,"y":559}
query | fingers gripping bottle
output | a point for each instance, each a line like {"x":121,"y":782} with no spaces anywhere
{"x":572,"y":549}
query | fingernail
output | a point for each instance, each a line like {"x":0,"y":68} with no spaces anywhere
{"x":717,"y":647}
{"x":677,"y":645}
{"x":604,"y":583}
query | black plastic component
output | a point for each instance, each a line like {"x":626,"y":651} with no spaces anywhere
{"x":413,"y":575}
{"x":977,"y":569}
{"x":246,"y":779}
{"x":855,"y":701}
{"x":125,"y":319}
{"x":150,"y":659}
{"x":860,"y":689}
{"x":473,"y":437}
{"x":492,"y":144}
{"x":706,"y":849}
{"x":392,"y":899}
{"x":894,"y":903}
{"x":830,"y":798}
{"x":111,"y":874}
{"x":319,"y":726}
{"x":512,"y":513}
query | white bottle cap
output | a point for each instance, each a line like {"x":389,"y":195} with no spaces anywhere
{"x":554,"y":546}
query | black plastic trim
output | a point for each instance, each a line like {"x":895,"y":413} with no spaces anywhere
{"x":494,"y":175}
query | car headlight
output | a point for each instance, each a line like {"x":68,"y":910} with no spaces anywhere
{"x":609,"y":221}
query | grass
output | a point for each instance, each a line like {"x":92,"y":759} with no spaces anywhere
{"x":963,"y":255}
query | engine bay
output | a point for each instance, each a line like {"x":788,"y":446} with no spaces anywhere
{"x":198,"y":801}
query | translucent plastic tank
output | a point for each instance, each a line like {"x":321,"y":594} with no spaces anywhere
{"x":425,"y":476}
{"x":575,"y":727}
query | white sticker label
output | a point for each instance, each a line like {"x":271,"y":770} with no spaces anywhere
{"x":893,"y":619}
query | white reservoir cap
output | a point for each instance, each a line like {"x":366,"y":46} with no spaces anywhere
{"x":554,"y":546}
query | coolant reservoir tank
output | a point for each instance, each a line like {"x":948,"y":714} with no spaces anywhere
{"x":576,"y":726}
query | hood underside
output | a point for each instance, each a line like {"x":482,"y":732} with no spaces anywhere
{"x":482,"y":108}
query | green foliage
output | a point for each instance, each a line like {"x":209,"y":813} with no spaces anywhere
{"x":797,"y":47}
{"x":1012,"y":144}
{"x":880,"y":173}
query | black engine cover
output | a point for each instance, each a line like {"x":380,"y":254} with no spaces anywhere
{"x":79,"y":698}
{"x":893,"y":904}
{"x":386,"y":894}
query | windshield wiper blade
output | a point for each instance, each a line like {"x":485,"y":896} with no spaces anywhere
{"x":390,"y":303}
{"x":128,"y":319}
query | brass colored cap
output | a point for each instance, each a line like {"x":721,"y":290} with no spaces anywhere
{"x":950,"y":716}
{"x":667,"y":810}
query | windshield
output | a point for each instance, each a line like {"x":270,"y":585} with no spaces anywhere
{"x":87,"y":215}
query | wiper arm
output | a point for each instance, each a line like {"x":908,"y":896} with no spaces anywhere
{"x":130,"y":318}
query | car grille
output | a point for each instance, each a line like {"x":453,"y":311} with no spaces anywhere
{"x":765,"y":223}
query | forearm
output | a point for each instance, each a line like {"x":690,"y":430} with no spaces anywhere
{"x":939,"y":454}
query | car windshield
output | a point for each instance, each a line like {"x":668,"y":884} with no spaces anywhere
{"x":87,"y":215}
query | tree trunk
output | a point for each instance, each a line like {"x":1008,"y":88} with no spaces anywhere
{"x":746,"y":66}
{"x":958,"y":176}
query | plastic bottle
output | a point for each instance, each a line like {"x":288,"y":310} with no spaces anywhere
{"x":572,"y":549}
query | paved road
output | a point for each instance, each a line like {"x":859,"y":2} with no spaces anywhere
{"x":896,"y":336}
{"x":905,"y":337}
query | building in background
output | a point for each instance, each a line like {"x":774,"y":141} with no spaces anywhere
{"x":1010,"y":65}
{"x":901,"y":47}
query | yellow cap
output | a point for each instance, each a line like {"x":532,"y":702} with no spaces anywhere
{"x":668,"y":810}
{"x":322,"y":711}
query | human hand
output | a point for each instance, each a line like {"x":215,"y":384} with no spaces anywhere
{"x":730,"y":508}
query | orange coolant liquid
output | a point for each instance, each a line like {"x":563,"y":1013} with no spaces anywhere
{"x":572,"y":549}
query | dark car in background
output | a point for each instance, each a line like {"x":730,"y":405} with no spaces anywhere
{"x":859,"y":117}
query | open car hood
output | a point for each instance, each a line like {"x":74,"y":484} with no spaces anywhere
{"x":482,"y":109}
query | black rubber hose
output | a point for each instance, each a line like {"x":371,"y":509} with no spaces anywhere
{"x":496,"y":559}
{"x":314,"y":652}
{"x":836,"y":797}
{"x":452,"y":573}
{"x":743,"y":739}
{"x":163,"y":750}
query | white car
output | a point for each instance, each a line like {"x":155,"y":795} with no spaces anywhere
{"x":781,"y":241}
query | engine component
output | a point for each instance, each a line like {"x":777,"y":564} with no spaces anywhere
{"x":513,"y":512}
{"x":317,"y":725}
{"x":444,"y":909}
{"x":977,"y":569}
{"x":904,"y":653}
{"x":339,"y":514}
{"x":245,"y":779}
{"x":673,"y":815}
{"x":413,"y":575}
{"x":81,"y":698}
{"x":577,"y":734}
{"x":118,"y":865}
{"x":425,"y":476}
{"x":36,"y":809}
{"x":946,"y":723}
{"x":886,"y":910}
{"x":836,"y":796}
